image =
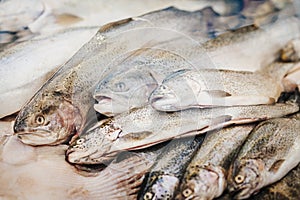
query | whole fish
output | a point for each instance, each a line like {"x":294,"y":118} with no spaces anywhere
{"x":63,"y":106}
{"x":145,"y":127}
{"x":163,"y":179}
{"x":26,"y":66}
{"x":205,"y":176}
{"x":239,"y":50}
{"x":269,"y":153}
{"x":208,"y":88}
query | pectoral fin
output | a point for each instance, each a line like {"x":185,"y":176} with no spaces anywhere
{"x":217,"y":93}
{"x":274,"y":168}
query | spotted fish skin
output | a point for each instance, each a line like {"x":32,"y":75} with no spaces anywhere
{"x":144,"y":127}
{"x":205,"y":176}
{"x":163,"y":178}
{"x":269,"y":153}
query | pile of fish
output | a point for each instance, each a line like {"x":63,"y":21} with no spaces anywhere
{"x":171,"y":104}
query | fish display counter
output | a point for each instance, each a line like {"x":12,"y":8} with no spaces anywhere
{"x":149,"y":100}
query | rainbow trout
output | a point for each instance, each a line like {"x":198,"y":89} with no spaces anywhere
{"x":145,"y":127}
{"x":269,"y":153}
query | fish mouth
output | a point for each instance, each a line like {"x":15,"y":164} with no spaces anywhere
{"x":88,"y":158}
{"x":102,"y":99}
{"x":109,"y":106}
{"x":164,"y":102}
{"x":242,"y":192}
{"x":38,"y":137}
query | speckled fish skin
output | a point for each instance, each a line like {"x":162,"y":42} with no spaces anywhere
{"x":211,"y":87}
{"x":61,"y":107}
{"x":287,"y":188}
{"x":126,"y":89}
{"x":163,"y":178}
{"x":205,"y":176}
{"x":145,"y":127}
{"x":269,"y":153}
{"x":26,"y":66}
{"x":248,"y":52}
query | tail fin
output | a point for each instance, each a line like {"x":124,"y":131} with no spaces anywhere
{"x":120,"y":180}
{"x":277,"y":70}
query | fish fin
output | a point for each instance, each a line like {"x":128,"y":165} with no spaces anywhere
{"x":67,"y":19}
{"x":109,"y":26}
{"x":120,"y":179}
{"x":248,"y":100}
{"x":216,"y":123}
{"x":217,"y":93}
{"x":221,"y":119}
{"x":136,"y":136}
{"x":274,"y":168}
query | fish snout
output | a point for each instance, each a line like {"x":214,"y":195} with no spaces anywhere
{"x":19,"y":126}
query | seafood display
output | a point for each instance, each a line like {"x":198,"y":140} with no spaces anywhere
{"x":160,"y":100}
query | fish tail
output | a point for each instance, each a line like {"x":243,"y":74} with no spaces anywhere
{"x":120,"y":179}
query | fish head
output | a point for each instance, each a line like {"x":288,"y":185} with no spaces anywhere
{"x":175,"y":92}
{"x":47,"y":119}
{"x":92,"y":147}
{"x":161,"y":186}
{"x":124,"y":90}
{"x":245,"y":177}
{"x":202,"y":182}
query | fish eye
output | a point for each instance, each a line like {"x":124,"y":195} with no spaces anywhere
{"x":239,"y":179}
{"x":39,"y":119}
{"x":80,"y":141}
{"x":120,"y":86}
{"x":187,"y":192}
{"x":148,"y":196}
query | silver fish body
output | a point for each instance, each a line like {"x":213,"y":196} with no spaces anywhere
{"x":163,"y":179}
{"x":205,"y":176}
{"x":211,"y":87}
{"x":63,"y":106}
{"x":145,"y":127}
{"x":269,"y":153}
{"x":238,"y":50}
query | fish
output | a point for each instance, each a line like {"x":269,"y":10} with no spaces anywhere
{"x":269,"y":153}
{"x":163,"y":179}
{"x":286,"y":188}
{"x":129,"y":88}
{"x":144,"y":127}
{"x":26,"y":66}
{"x":212,"y":87}
{"x":63,"y":106}
{"x":205,"y":176}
